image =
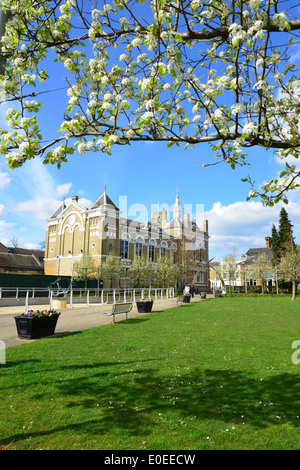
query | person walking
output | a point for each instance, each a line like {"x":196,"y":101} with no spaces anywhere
{"x":192,"y":291}
{"x":186,"y":290}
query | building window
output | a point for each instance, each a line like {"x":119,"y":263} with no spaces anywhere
{"x":94,"y":220}
{"x":163,"y":251}
{"x":138,"y":249}
{"x":200,"y":256}
{"x":151,"y":253}
{"x":110,"y":249}
{"x":175,"y":257}
{"x":124,"y":249}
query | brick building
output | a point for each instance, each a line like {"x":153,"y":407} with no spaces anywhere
{"x":100,"y":231}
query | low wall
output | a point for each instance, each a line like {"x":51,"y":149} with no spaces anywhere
{"x":21,"y":301}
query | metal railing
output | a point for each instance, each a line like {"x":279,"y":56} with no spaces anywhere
{"x":89,"y":296}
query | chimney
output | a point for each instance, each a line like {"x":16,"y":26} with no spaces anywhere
{"x":163,"y":218}
{"x":268,"y":242}
{"x":205,"y":225}
{"x":75,"y":199}
{"x":186,"y":220}
{"x":160,"y":218}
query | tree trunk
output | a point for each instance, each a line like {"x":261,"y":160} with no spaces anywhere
{"x":294,"y":290}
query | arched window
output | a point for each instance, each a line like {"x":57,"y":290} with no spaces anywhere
{"x":124,"y":249}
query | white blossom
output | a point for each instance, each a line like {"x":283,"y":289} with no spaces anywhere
{"x":249,"y":128}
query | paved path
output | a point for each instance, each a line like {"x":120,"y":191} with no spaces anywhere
{"x":72,"y":319}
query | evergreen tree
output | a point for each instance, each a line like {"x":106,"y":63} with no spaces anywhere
{"x":285,"y":231}
{"x":282,"y":243}
{"x":282,"y":237}
{"x":275,"y":245}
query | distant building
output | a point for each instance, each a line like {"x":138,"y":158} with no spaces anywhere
{"x":248,"y":265}
{"x":245,"y":269}
{"x":21,"y":260}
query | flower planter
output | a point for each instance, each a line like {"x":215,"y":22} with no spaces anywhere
{"x":186,"y":299}
{"x":59,"y":303}
{"x":36,"y":327}
{"x":144,"y":307}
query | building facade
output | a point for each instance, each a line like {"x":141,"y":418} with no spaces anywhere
{"x":101,"y":231}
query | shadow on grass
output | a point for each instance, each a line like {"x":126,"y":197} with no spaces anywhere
{"x":120,"y":396}
{"x":131,"y":321}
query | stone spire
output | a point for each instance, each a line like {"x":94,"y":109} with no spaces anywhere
{"x":177,"y":209}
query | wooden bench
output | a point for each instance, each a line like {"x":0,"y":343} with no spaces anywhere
{"x":179,"y":299}
{"x":119,"y":308}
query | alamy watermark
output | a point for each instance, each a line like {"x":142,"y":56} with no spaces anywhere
{"x":138,"y":217}
{"x":296,"y":354}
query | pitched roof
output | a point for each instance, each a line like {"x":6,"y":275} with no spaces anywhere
{"x":3,"y":248}
{"x":58,"y":211}
{"x":175,"y":223}
{"x":253,"y":253}
{"x":19,"y":261}
{"x":39,"y":254}
{"x":104,"y":200}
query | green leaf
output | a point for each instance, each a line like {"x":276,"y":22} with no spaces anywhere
{"x":178,"y":38}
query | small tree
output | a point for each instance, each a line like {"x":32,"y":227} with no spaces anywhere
{"x":112,"y":269}
{"x":139,"y":269}
{"x":261,"y":266}
{"x":289,"y":268}
{"x":164,"y":270}
{"x":219,"y":276}
{"x":85,"y":269}
{"x":229,"y":270}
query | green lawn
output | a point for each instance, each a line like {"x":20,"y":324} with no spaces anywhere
{"x":216,"y":374}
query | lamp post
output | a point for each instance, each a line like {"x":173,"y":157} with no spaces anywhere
{"x":245,"y":277}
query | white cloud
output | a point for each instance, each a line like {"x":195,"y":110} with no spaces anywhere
{"x":245,"y":225}
{"x":5,"y":226}
{"x":47,"y":195}
{"x":41,"y":207}
{"x":4,"y":212}
{"x":4,"y":180}
{"x":32,"y":246}
{"x":63,"y":189}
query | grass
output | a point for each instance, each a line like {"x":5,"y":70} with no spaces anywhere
{"x":216,"y":374}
